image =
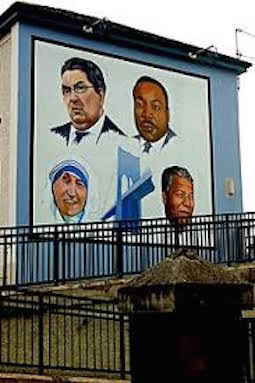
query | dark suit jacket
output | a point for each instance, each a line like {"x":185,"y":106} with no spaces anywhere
{"x":108,"y":126}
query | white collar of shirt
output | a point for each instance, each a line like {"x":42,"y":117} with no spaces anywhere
{"x":155,"y":146}
{"x":94,"y":131}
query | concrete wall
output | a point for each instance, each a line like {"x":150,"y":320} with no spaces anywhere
{"x":8,"y":124}
{"x":25,"y":378}
{"x":5,"y":152}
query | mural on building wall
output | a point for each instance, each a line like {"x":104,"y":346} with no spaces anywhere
{"x":117,"y":139}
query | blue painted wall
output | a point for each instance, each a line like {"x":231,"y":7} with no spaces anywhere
{"x":223,"y":101}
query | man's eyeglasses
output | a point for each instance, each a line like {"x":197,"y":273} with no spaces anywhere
{"x":78,"y":88}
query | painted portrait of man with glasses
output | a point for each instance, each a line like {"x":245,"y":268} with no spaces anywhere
{"x":83,"y":90}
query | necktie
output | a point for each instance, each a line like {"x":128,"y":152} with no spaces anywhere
{"x":79,"y":136}
{"x":147,"y":147}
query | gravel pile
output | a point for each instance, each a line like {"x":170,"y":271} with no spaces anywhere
{"x":184,"y":266}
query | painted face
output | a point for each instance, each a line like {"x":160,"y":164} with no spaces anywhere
{"x":83,"y":103}
{"x":70,"y":195}
{"x":150,"y":109}
{"x":179,"y":199}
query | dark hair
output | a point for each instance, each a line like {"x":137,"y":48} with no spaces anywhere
{"x":153,"y":81}
{"x":93,"y":72}
{"x":169,"y":173}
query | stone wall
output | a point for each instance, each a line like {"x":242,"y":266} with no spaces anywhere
{"x":26,"y":378}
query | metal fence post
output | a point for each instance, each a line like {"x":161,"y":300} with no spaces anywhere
{"x":119,"y":260}
{"x":40,"y":332}
{"x":63,"y":263}
{"x":122,"y":348}
{"x":166,"y":242}
{"x":5,"y":262}
{"x":227,"y":243}
{"x":176,"y":235}
{"x":55,"y":255}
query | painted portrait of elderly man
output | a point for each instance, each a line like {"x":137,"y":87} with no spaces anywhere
{"x":83,"y":89}
{"x":178,"y":193}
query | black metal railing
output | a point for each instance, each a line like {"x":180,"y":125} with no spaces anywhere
{"x":40,"y":254}
{"x":46,"y":333}
{"x":51,"y":333}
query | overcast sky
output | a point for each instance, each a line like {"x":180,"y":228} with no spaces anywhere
{"x":197,"y":22}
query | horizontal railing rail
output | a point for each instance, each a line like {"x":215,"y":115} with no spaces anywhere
{"x":56,"y":254}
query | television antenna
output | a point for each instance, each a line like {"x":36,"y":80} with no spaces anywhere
{"x":239,"y":54}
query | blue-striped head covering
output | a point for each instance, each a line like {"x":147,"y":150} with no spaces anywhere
{"x":72,"y":167}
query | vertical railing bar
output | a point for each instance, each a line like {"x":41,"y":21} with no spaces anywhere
{"x":17,"y":333}
{"x":40,"y":331}
{"x":108,"y":341}
{"x":122,"y":347}
{"x":36,"y":260}
{"x":87,"y":340}
{"x":101,"y":363}
{"x":42,"y":250}
{"x":80,"y":323}
{"x":71,"y":310}
{"x":9,"y":263}
{"x":96,"y":264}
{"x":16,"y":262}
{"x":55,"y":254}
{"x":227,"y":241}
{"x":75,"y":244}
{"x":65,"y":332}
{"x":32,"y":329}
{"x":49,"y":329}
{"x":49,"y":246}
{"x":5,"y":262}
{"x":92,"y":254}
{"x":57,"y":330}
{"x":25,"y":332}
{"x":80,"y":252}
{"x":61,"y":265}
{"x":109,"y":249}
{"x":9,"y":334}
{"x":106,"y":270}
{"x":94,"y":338}
{"x":119,"y":270}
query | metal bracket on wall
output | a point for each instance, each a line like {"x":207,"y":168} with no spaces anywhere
{"x":100,"y":26}
{"x":195,"y":55}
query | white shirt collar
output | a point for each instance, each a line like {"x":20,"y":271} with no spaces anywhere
{"x":93,"y":132}
{"x":155,"y":146}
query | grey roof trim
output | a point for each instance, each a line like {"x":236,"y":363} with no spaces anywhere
{"x":118,"y":34}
